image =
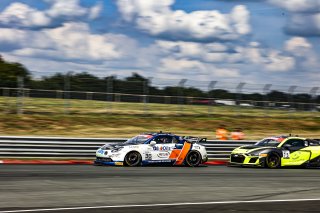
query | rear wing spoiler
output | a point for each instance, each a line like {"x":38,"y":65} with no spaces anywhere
{"x":192,"y":139}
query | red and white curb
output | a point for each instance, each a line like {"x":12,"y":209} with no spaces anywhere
{"x":216,"y":162}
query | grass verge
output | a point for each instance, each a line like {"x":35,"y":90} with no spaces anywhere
{"x":81,"y":118}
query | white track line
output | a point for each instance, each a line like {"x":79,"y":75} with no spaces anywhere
{"x":161,"y":204}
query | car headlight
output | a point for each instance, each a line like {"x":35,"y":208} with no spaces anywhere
{"x":117,"y":149}
{"x":253,"y":154}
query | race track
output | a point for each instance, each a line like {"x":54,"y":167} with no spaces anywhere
{"x":157,"y":189}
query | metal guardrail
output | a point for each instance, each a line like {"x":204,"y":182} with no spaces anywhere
{"x":84,"y":148}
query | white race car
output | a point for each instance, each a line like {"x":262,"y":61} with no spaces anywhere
{"x":154,"y":148}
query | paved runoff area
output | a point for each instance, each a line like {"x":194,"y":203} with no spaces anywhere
{"x":87,"y":188}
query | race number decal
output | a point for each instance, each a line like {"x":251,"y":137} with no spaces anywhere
{"x":148,"y":157}
{"x":286,"y":154}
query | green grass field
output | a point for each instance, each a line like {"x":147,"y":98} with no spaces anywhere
{"x":82,"y":118}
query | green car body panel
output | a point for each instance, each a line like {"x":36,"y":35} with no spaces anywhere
{"x":283,"y":151}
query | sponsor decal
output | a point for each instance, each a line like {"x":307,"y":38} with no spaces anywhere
{"x":160,"y":161}
{"x":296,"y":155}
{"x":134,"y":147}
{"x":162,"y":148}
{"x":118,"y":163}
{"x":163,"y":154}
{"x":196,"y":147}
{"x":100,"y":151}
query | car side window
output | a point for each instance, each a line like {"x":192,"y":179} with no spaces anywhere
{"x":295,"y":143}
{"x":175,"y":140}
{"x":163,"y":139}
{"x":313,"y":142}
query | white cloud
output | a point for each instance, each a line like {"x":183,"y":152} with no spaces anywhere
{"x":72,"y":41}
{"x":304,"y":16}
{"x":297,"y":46}
{"x":69,"y":8}
{"x":95,"y":10}
{"x":21,"y":15}
{"x":304,"y":24}
{"x":275,"y":61}
{"x":156,"y":18}
{"x":298,"y":5}
{"x":131,"y":8}
{"x":304,"y":52}
{"x":195,"y":69}
{"x":206,"y":52}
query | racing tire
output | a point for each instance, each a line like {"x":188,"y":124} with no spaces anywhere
{"x":273,"y":161}
{"x":193,"y":159}
{"x":133,"y":159}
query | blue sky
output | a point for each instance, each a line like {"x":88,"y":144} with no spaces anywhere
{"x":255,"y":41}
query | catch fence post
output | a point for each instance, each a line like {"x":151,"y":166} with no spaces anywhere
{"x":290,"y":95}
{"x":211,"y":86}
{"x":239,"y":94}
{"x":313,"y":96}
{"x":20,"y":95}
{"x":266,"y":90}
{"x":66,"y":93}
{"x":146,"y":94}
{"x":180,"y":93}
{"x":109,"y":93}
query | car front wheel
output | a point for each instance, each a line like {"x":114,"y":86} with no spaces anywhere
{"x":133,"y":159}
{"x":273,"y":161}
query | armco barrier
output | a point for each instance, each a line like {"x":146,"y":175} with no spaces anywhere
{"x":84,"y":148}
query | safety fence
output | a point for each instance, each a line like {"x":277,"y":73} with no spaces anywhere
{"x":84,"y":148}
{"x":30,"y":101}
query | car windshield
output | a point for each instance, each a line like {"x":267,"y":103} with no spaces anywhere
{"x":138,"y":139}
{"x":268,"y":142}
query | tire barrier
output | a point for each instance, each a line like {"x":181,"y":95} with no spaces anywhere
{"x":12,"y":147}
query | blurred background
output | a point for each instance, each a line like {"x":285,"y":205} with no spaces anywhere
{"x":105,"y":68}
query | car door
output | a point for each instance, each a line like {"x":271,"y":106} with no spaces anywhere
{"x":163,"y":148}
{"x":295,"y":152}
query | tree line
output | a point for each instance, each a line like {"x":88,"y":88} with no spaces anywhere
{"x":134,"y":84}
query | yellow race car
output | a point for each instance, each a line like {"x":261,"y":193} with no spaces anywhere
{"x":276,"y":152}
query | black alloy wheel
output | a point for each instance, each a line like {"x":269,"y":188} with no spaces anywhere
{"x":273,"y":161}
{"x":193,"y":159}
{"x":133,"y":159}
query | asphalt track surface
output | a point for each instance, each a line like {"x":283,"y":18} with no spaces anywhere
{"x":86,"y":188}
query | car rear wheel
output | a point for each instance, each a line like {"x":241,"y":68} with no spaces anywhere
{"x":193,"y":159}
{"x":273,"y":161}
{"x":133,"y":159}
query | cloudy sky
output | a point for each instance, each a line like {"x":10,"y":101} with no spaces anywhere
{"x":256,"y":41}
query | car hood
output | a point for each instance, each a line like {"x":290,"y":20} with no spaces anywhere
{"x":251,"y":148}
{"x":116,"y":145}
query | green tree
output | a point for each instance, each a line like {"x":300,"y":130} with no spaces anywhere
{"x":9,"y":72}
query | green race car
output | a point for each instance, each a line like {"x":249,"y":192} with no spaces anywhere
{"x":275,"y":152}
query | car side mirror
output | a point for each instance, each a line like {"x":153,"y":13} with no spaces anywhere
{"x":153,"y":143}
